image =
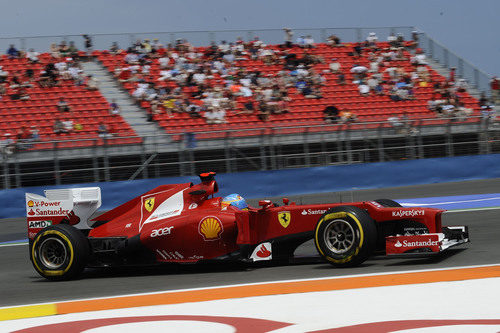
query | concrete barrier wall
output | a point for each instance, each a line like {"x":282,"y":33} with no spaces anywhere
{"x":263,"y":184}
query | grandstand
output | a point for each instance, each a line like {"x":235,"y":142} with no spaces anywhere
{"x":88,"y":108}
{"x":249,"y":138}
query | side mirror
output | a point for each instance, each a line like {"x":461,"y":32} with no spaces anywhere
{"x":286,"y":201}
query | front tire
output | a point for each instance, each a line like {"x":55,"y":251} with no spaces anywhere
{"x":60,"y":252}
{"x":345,"y":236}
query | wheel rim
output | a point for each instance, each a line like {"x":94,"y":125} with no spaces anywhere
{"x":52,"y":253}
{"x":339,"y":236}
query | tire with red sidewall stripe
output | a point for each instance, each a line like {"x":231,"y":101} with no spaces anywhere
{"x":60,"y":252}
{"x":345,"y":236}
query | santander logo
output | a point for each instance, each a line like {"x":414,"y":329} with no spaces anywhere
{"x":398,"y":244}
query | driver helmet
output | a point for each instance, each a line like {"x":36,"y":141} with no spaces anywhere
{"x":234,"y":200}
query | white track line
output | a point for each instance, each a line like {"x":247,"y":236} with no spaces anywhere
{"x":448,"y":202}
{"x":13,"y":244}
{"x":259,"y":283}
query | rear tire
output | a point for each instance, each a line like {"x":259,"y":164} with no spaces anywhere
{"x":345,"y":236}
{"x":60,"y":252}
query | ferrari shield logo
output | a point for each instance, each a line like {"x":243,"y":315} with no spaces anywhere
{"x":284,"y":218}
{"x":149,"y":204}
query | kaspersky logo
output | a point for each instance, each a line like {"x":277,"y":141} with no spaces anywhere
{"x":408,"y":213}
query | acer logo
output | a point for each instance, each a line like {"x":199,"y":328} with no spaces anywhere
{"x":161,"y":232}
{"x":408,"y":213}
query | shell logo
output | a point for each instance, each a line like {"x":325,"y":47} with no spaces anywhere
{"x":30,"y":203}
{"x":210,"y":228}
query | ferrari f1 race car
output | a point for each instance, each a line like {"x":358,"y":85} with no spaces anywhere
{"x":186,"y":223}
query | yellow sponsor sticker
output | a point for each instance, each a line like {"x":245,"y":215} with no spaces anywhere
{"x":149,"y":204}
{"x":284,"y":218}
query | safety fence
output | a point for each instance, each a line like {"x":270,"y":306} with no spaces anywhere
{"x":267,"y":148}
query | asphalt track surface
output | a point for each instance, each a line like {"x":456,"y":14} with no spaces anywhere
{"x":20,"y":284}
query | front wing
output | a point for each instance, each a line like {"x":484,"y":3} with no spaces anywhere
{"x":427,"y":243}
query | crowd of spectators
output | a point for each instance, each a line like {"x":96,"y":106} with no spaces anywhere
{"x":61,"y":66}
{"x":214,"y":82}
{"x":22,"y":140}
{"x":386,"y":75}
{"x":210,"y":83}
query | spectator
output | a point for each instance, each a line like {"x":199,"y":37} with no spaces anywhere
{"x":164,"y":61}
{"x":357,"y":50}
{"x":333,"y":41}
{"x":483,"y":100}
{"x":73,"y":50}
{"x":3,"y":75}
{"x":288,"y":37}
{"x":58,"y":127}
{"x":91,"y":83}
{"x":32,"y":56}
{"x":419,"y":59}
{"x":102,"y":130}
{"x":359,"y":72}
{"x":347,"y":117}
{"x":461,"y":85}
{"x":34,"y":134}
{"x":63,"y":105}
{"x":392,"y":39}
{"x":8,"y":145}
{"x":495,"y":89}
{"x":334,"y":66}
{"x":414,"y":37}
{"x":12,"y":52}
{"x":114,"y":49}
{"x":88,"y":43}
{"x":396,"y":123}
{"x":331,"y":114}
{"x":301,"y":41}
{"x":308,"y":42}
{"x":68,"y":125}
{"x":23,"y":136}
{"x":341,"y":79}
{"x":372,"y":39}
{"x":364,"y":89}
{"x":451,"y":77}
{"x":63,"y":49}
{"x":54,"y":51}
{"x":114,"y":109}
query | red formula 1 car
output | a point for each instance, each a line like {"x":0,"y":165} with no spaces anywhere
{"x":185,"y":223}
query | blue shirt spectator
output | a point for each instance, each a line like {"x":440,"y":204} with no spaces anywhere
{"x":12,"y":52}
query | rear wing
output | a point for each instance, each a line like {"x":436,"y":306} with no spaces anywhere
{"x":74,"y":206}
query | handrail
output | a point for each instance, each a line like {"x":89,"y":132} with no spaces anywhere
{"x":450,"y":120}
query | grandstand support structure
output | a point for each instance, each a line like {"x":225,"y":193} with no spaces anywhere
{"x":111,"y":90}
{"x":268,"y":149}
